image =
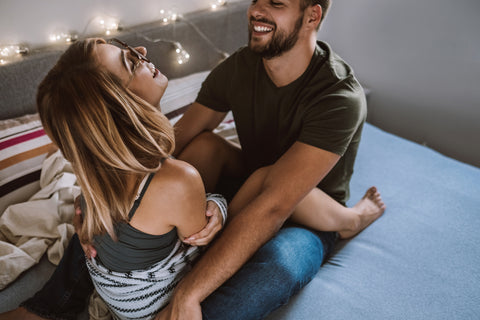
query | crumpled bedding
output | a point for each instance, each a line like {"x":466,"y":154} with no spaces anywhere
{"x":42,"y":224}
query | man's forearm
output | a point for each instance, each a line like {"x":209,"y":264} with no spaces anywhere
{"x":243,"y":236}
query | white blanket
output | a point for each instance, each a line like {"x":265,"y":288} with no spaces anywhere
{"x":42,"y":224}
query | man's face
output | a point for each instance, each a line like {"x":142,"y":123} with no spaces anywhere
{"x":274,"y":26}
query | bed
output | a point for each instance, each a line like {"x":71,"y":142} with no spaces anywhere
{"x":420,"y":260}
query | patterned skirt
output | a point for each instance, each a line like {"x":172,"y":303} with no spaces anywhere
{"x":141,"y":294}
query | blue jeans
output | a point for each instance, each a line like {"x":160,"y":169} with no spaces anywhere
{"x":275,"y":273}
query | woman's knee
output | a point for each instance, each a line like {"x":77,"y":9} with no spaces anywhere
{"x":206,"y":141}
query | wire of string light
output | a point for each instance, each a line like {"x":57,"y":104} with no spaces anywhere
{"x":110,"y":25}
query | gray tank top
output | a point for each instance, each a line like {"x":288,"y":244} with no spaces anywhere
{"x":134,"y":250}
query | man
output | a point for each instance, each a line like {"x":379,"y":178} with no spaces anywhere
{"x":299,"y":112}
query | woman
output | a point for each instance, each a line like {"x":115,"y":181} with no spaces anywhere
{"x":98,"y":106}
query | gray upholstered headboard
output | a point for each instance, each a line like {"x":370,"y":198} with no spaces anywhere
{"x":226,"y":28}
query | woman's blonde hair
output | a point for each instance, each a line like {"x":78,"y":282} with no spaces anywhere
{"x":106,"y":131}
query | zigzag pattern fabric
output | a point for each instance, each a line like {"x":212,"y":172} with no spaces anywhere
{"x":142,"y":294}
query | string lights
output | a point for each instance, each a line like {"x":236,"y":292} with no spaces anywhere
{"x":168,"y":16}
{"x":108,"y":26}
{"x":61,"y":36}
{"x":182,"y":55}
{"x":217,"y":3}
{"x":11,"y":53}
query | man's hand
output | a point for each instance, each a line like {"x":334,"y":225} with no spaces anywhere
{"x":180,"y":311}
{"x":89,"y":250}
{"x":215,"y":222}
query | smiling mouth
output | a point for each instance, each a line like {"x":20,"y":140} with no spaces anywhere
{"x":153,"y":70}
{"x":261,"y":26}
{"x":262,"y":29}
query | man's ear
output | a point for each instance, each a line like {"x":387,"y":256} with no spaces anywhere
{"x":314,"y":14}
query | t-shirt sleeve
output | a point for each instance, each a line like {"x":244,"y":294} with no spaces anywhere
{"x":331,"y":122}
{"x":214,"y":91}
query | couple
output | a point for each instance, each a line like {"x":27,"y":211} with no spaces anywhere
{"x":299,"y":128}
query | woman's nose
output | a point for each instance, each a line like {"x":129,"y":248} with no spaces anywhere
{"x":142,"y":50}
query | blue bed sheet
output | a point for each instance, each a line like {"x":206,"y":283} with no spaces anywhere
{"x":421,"y":259}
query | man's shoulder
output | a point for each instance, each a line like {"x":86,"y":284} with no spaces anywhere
{"x":332,"y":64}
{"x":332,"y":75}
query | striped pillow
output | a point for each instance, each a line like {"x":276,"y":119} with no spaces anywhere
{"x":23,"y":147}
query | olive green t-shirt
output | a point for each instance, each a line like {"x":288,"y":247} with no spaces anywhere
{"x":325,"y":108}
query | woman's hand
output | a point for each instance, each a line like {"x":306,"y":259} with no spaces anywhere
{"x":89,"y":250}
{"x":215,"y":223}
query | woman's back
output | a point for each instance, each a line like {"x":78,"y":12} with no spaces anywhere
{"x":138,"y":244}
{"x":171,"y":206}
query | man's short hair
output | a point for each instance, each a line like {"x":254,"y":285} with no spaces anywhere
{"x":325,"y":4}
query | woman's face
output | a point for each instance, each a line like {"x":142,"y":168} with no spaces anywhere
{"x":146,"y":82}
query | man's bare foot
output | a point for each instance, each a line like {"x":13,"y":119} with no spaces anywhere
{"x":20,"y":314}
{"x":368,"y":209}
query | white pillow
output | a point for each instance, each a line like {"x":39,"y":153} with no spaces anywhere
{"x":180,"y":93}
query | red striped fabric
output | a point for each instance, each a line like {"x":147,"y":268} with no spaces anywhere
{"x":22,"y":138}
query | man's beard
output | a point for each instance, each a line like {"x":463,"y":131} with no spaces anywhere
{"x":280,"y":42}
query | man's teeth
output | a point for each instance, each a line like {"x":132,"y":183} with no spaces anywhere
{"x":262,"y":29}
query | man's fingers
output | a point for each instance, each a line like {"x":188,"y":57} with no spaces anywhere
{"x":89,"y":250}
{"x":77,"y":223}
{"x":209,"y":228}
{"x":211,"y":208}
{"x":77,"y":206}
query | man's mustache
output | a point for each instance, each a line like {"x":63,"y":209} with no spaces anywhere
{"x":263,"y":20}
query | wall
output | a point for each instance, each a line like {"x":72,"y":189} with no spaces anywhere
{"x":421,"y":59}
{"x":33,"y":21}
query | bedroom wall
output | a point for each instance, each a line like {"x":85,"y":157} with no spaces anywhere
{"x":421,"y":59}
{"x":33,"y":21}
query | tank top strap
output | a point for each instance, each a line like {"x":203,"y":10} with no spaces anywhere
{"x":142,"y":188}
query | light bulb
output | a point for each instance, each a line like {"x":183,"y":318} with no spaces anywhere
{"x":11,"y":53}
{"x":61,"y":36}
{"x":182,"y":55}
{"x":217,"y":3}
{"x":168,"y":16}
{"x":108,"y":24}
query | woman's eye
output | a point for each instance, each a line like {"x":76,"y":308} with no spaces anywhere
{"x":132,"y":63}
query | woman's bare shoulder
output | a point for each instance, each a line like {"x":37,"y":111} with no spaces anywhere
{"x":174,"y":196}
{"x":178,"y":174}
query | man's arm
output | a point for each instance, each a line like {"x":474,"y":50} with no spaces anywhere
{"x":194,"y":121}
{"x":290,"y":179}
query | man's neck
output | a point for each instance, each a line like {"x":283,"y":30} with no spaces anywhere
{"x":288,"y":67}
